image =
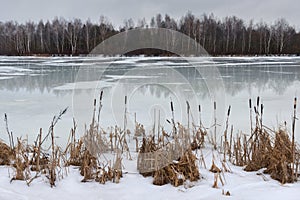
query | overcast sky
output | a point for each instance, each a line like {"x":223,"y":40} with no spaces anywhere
{"x":118,"y":10}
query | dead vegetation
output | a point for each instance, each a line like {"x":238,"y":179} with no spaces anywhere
{"x":32,"y":161}
{"x":86,"y":152}
{"x":166,"y":164}
{"x":266,"y":149}
{"x":178,"y":172}
{"x":167,"y":157}
{"x":6,"y":154}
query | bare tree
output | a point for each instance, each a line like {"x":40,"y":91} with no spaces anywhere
{"x":152,"y":23}
{"x":227,"y":36}
{"x":250,"y":29}
{"x":29,"y":30}
{"x":142,"y":23}
{"x":158,"y":21}
{"x":87,"y":29}
{"x":73,"y":30}
{"x":228,"y":27}
{"x":56,"y":31}
{"x":40,"y":30}
{"x":283,"y":32}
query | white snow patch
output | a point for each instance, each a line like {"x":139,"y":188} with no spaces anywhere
{"x":133,"y":186}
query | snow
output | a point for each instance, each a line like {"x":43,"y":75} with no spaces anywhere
{"x":84,"y":85}
{"x":129,"y":77}
{"x":6,"y":77}
{"x":29,"y":108}
{"x":241,"y":185}
{"x":6,"y":69}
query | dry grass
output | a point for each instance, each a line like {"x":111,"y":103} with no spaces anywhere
{"x":6,"y":154}
{"x":273,"y":154}
{"x":173,"y":162}
{"x":169,"y":158}
{"x":272,"y":150}
{"x":178,"y":172}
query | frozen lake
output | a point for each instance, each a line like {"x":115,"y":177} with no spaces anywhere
{"x":33,"y":90}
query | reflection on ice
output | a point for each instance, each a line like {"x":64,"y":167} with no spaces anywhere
{"x":91,"y":85}
{"x":4,"y":69}
{"x":33,"y":89}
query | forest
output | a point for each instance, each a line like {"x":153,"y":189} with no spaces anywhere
{"x":227,"y":36}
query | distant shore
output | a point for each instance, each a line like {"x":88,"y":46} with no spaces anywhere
{"x":161,"y":55}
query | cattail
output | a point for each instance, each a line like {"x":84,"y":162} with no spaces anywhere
{"x":95,"y":102}
{"x":293,"y":139}
{"x":257,"y":101}
{"x":199,"y":108}
{"x":100,"y":106}
{"x":125,"y":116}
{"x":250,"y":110}
{"x":101,"y":94}
{"x":215,"y":126}
{"x":250,"y":104}
{"x":9,"y":135}
{"x":173,"y":118}
{"x":188,"y":106}
{"x":228,"y":112}
{"x":261,"y":108}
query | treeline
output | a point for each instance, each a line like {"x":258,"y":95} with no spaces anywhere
{"x":228,"y":36}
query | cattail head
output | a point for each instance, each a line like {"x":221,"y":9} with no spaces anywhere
{"x":257,"y":101}
{"x":95,"y":102}
{"x":125,"y":100}
{"x":250,"y":104}
{"x":172,"y":108}
{"x":295,"y":102}
{"x":261,"y":108}
{"x":215,"y":105}
{"x":199,"y":108}
{"x":101,"y":94}
{"x":188,"y":106}
{"x":228,"y":112}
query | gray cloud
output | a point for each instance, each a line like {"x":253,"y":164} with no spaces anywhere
{"x":118,"y":10}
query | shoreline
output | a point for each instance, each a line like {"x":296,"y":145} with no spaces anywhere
{"x":152,"y":56}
